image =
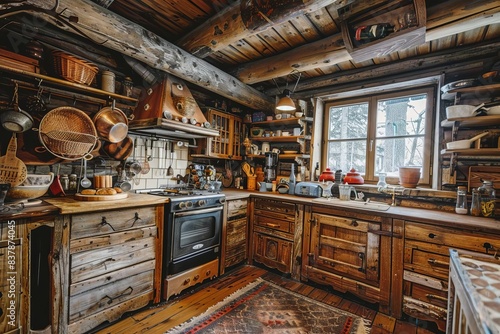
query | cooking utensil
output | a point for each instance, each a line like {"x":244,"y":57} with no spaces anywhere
{"x":145,"y":168}
{"x":111,"y":124}
{"x":464,"y":144}
{"x":12,"y":169}
{"x":462,"y":110}
{"x":170,"y":170}
{"x":150,"y":156}
{"x":85,"y":181}
{"x":15,"y":119}
{"x":133,"y":166}
{"x":56,"y":188}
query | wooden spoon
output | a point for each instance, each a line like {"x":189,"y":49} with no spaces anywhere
{"x":12,"y":169}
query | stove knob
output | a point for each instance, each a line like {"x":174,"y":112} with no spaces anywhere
{"x":202,"y":202}
{"x":182,"y":205}
{"x":222,"y":200}
{"x":189,"y":205}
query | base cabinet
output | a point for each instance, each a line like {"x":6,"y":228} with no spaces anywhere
{"x":350,"y":252}
{"x":426,"y":266}
{"x":235,"y":233}
{"x":276,"y":235}
{"x":112,"y":265}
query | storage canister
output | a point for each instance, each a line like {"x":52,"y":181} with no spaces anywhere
{"x":487,"y":199}
{"x":108,"y":81}
{"x":461,"y":205}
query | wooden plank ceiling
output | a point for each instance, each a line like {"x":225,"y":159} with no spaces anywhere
{"x":257,"y":57}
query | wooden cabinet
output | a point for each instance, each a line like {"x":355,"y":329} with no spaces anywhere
{"x":349,"y":251}
{"x":234,"y":233}
{"x":426,"y":266}
{"x":276,"y":231}
{"x":112,"y":265}
{"x":228,"y":144}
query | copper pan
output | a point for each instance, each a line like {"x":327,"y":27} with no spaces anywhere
{"x":119,"y":151}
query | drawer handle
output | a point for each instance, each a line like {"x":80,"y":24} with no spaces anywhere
{"x":361,"y":255}
{"x":272,"y":225}
{"x":437,"y":263}
{"x":197,"y":277}
{"x":431,"y":296}
{"x":432,"y":235}
{"x":104,"y":263}
{"x":186,"y":281}
{"x":127,"y":292}
{"x":105,"y":222}
{"x":136,"y":218}
{"x":354,"y":223}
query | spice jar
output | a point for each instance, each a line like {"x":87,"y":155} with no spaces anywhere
{"x":461,"y":205}
{"x":73,"y":179}
{"x":475,"y":206}
{"x":64,"y":181}
{"x":487,"y":199}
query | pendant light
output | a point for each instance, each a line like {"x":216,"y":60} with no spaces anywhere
{"x":286,"y":103}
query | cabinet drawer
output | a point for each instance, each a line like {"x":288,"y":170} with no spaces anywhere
{"x":426,"y":289}
{"x":284,"y":210}
{"x":452,"y":238}
{"x":236,"y":208}
{"x":275,"y":224}
{"x":110,"y":289}
{"x":97,"y":223}
{"x":95,"y":262}
{"x":236,"y":232}
{"x":427,"y":259}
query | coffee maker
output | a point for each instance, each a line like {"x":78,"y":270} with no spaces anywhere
{"x":271,"y":166}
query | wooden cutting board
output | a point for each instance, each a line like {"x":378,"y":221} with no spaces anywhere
{"x":12,"y":169}
{"x":80,"y":197}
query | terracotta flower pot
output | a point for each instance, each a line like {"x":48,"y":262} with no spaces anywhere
{"x":409,"y":176}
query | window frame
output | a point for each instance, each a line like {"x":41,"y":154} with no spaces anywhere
{"x":372,"y":100}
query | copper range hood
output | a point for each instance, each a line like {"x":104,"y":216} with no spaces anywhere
{"x":169,"y":110}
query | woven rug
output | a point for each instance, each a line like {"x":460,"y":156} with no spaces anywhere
{"x":263,"y":307}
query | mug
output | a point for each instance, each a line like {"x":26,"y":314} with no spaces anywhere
{"x":276,"y":150}
{"x":345,"y":191}
{"x":265,"y":147}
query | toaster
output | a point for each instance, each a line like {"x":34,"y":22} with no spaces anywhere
{"x":308,"y":189}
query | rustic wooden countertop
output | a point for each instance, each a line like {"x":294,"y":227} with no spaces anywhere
{"x":442,"y":218}
{"x":68,"y":205}
{"x":43,"y":209}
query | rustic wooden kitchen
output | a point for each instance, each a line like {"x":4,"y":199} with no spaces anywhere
{"x":151,"y":150}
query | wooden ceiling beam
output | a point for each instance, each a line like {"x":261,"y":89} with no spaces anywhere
{"x":243,"y":19}
{"x":330,"y":51}
{"x":116,"y":33}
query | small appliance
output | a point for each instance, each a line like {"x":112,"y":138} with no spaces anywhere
{"x":271,"y":166}
{"x":308,"y":189}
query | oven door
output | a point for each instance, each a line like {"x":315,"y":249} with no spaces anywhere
{"x":195,"y":237}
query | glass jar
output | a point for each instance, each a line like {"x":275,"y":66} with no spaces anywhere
{"x":487,"y":199}
{"x":475,"y":206}
{"x":64,"y":182}
{"x":73,"y":179}
{"x":461,"y":205}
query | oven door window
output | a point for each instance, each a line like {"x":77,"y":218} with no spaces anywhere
{"x":196,"y":233}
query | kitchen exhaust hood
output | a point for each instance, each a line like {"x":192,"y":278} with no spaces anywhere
{"x":169,"y":110}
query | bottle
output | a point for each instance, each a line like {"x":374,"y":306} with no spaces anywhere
{"x":64,"y":182}
{"x":381,"y":184}
{"x":461,"y":205}
{"x":316,"y":172}
{"x":372,"y":32}
{"x":487,"y":199}
{"x":475,"y":206}
{"x":292,"y":181}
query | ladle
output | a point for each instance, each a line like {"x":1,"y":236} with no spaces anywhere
{"x":85,"y":181}
{"x":170,"y":170}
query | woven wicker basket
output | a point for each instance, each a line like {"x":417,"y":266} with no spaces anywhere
{"x":74,"y":69}
{"x":68,"y":133}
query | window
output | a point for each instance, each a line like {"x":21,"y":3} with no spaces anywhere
{"x":380,"y":133}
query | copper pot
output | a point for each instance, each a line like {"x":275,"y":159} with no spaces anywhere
{"x":119,"y":151}
{"x":111,"y":124}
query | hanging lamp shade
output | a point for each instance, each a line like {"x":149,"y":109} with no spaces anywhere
{"x":286,"y":103}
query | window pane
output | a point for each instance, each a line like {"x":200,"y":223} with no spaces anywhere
{"x":392,"y":153}
{"x":401,"y":116}
{"x":348,"y":122}
{"x":345,"y":155}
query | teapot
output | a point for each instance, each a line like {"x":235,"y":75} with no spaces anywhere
{"x":353,"y":177}
{"x":327,"y":175}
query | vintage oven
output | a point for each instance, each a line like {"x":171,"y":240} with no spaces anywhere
{"x":191,"y":239}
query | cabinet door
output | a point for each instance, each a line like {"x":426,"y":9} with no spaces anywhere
{"x":228,"y":144}
{"x":273,"y":252}
{"x":346,"y":246}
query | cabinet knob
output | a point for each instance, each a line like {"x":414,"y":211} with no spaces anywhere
{"x":432,"y":235}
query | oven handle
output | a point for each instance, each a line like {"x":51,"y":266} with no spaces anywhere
{"x":198,"y":211}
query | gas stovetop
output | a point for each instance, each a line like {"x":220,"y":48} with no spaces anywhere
{"x":178,"y":194}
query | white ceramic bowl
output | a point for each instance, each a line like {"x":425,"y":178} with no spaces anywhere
{"x":299,"y":114}
{"x":33,"y":187}
{"x":38,"y":179}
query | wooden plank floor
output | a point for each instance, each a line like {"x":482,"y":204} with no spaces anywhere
{"x":162,"y":317}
